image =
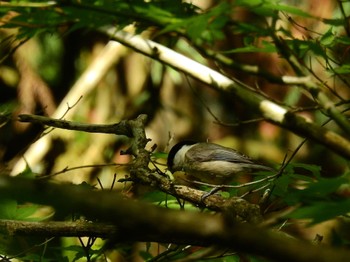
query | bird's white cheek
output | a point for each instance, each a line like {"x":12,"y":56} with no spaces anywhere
{"x":179,"y":159}
{"x":178,"y":162}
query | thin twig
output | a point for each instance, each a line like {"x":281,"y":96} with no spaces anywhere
{"x":120,"y":128}
{"x":67,"y":169}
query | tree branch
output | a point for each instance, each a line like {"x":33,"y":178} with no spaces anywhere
{"x":57,"y":229}
{"x":271,"y":111}
{"x":121,"y":128}
{"x":321,"y":98}
{"x":136,"y":221}
{"x":253,"y":69}
{"x":140,"y":172}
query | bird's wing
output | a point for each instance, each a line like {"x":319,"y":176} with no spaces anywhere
{"x":215,"y":152}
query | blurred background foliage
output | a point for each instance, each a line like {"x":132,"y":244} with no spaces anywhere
{"x":52,"y":52}
{"x":37,"y":74}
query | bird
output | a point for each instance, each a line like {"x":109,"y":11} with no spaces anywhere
{"x":211,"y":163}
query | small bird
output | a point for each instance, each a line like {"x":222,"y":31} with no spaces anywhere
{"x":211,"y":163}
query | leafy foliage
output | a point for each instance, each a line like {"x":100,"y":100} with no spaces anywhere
{"x":286,"y":34}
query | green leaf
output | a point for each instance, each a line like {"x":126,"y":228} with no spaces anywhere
{"x":249,"y":28}
{"x":161,"y":155}
{"x":328,"y":38}
{"x":314,"y":169}
{"x":269,"y":8}
{"x":289,"y":9}
{"x":75,"y":248}
{"x":304,"y":178}
{"x":196,"y":28}
{"x":259,"y":7}
{"x":343,"y":69}
{"x":334,"y":22}
{"x":25,"y":211}
{"x":266,"y":48}
{"x":343,"y":40}
{"x":27,"y":173}
{"x":322,"y":211}
{"x":79,"y":251}
{"x":324,"y":186}
{"x":281,"y":186}
{"x":10,"y":209}
{"x":249,"y":2}
{"x":317,"y":191}
{"x":145,"y":255}
{"x":302,"y":47}
{"x":157,"y":197}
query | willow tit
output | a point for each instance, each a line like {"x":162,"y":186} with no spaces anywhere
{"x":210,"y":163}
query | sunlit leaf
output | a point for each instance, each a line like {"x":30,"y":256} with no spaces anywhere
{"x":161,"y":155}
{"x":10,"y":209}
{"x":328,"y":38}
